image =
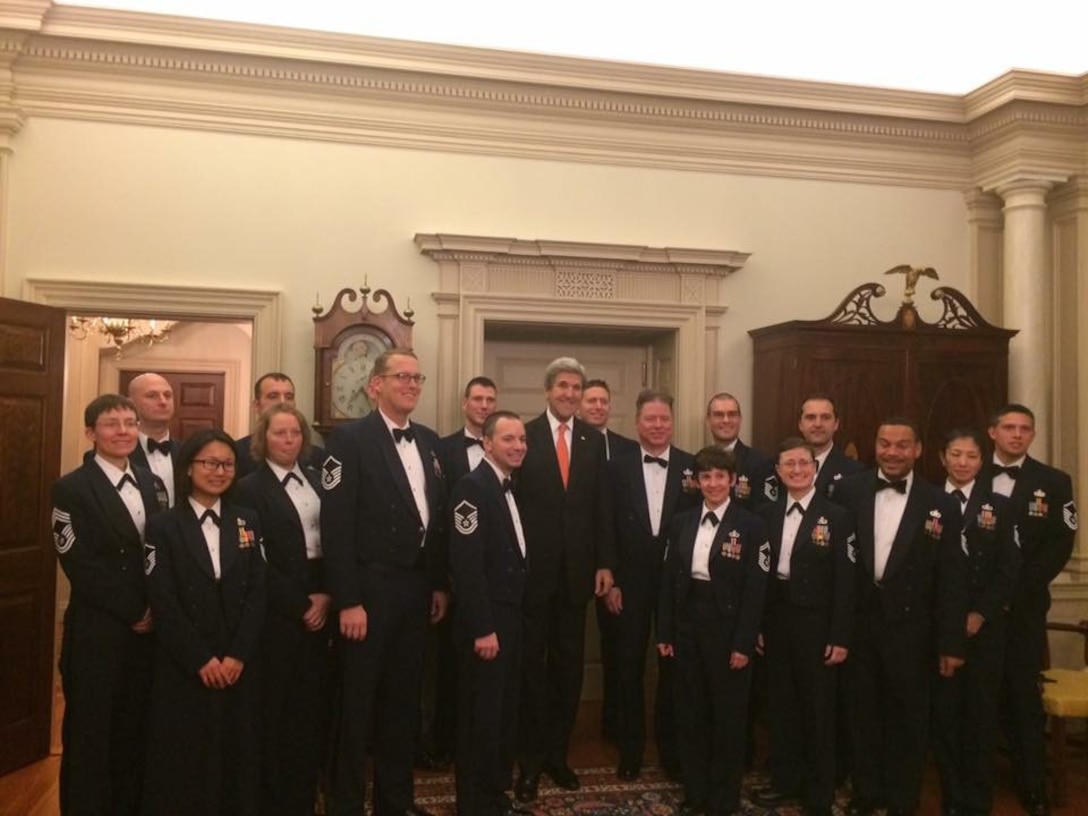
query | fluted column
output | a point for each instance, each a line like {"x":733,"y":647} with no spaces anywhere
{"x":984,"y":273}
{"x":1027,"y":302}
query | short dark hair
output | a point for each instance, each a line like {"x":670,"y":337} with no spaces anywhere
{"x":793,"y":443}
{"x":103,"y":405}
{"x":258,"y":444}
{"x":963,"y":433}
{"x":278,"y":376}
{"x":902,"y":421}
{"x":194,"y":445}
{"x":381,"y":362}
{"x":1011,"y":408}
{"x":714,"y":458}
{"x":597,"y":383}
{"x":819,"y":395}
{"x":483,"y":382}
{"x":721,"y":395}
{"x":493,"y":420}
{"x":648,"y":395}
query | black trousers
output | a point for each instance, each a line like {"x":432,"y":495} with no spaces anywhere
{"x":552,"y":668}
{"x":107,"y":692}
{"x":802,"y":703}
{"x":1025,"y":723}
{"x":965,"y":723}
{"x":378,"y":695}
{"x":892,"y":664}
{"x":489,"y":693}
{"x":711,"y":703}
{"x":607,"y":625}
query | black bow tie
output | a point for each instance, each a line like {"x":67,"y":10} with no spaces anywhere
{"x":796,"y":507}
{"x":162,"y":447}
{"x":1012,"y":471}
{"x":507,"y":485}
{"x":209,"y":514}
{"x":289,"y":476}
{"x":899,"y":485}
{"x":126,"y":479}
{"x":472,"y":440}
{"x":648,"y":459}
{"x":713,"y":519}
{"x":960,"y":496}
{"x":406,"y":434}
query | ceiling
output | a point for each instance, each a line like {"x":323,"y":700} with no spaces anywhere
{"x":924,"y":45}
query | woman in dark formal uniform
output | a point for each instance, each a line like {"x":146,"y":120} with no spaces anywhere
{"x":965,"y":705}
{"x":206,"y":585}
{"x":711,"y":604}
{"x":296,"y":646}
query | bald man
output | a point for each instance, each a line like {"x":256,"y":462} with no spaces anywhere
{"x":154,"y":399}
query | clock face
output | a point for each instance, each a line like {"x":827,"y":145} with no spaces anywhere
{"x":355,"y":356}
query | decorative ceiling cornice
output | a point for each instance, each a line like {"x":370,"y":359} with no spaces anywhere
{"x":178,"y":72}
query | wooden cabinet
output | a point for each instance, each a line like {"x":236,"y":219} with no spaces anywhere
{"x":950,"y":373}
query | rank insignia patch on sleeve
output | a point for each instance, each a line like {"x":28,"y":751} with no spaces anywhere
{"x":1069,"y":513}
{"x":852,"y":548}
{"x":765,"y":556}
{"x":331,"y":473}
{"x":63,"y":534}
{"x":466,"y":518}
{"x":149,"y":559}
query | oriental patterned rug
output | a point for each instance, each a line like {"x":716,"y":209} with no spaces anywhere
{"x":601,"y":794}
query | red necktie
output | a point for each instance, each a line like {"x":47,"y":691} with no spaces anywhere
{"x":562,"y":453}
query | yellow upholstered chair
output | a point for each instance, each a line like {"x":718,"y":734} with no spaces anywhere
{"x":1065,"y":695}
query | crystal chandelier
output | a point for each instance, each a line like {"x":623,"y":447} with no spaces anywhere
{"x":119,"y":330}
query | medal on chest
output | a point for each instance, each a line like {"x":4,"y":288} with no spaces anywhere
{"x":1037,"y":507}
{"x":731,"y":547}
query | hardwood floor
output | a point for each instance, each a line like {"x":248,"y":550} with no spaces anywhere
{"x":32,"y":791}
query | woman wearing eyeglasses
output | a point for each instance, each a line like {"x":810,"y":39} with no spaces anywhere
{"x":285,"y":490}
{"x":206,"y":584}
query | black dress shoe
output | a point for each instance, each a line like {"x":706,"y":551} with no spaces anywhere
{"x":688,"y":808}
{"x":426,"y":761}
{"x":628,"y":771}
{"x":411,"y":810}
{"x":525,"y":790}
{"x":672,"y":771}
{"x":562,"y":776}
{"x":769,"y":796}
{"x":1036,"y":805}
{"x":816,"y":811}
{"x":512,"y":809}
{"x":860,"y":808}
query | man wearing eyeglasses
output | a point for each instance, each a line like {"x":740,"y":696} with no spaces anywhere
{"x":99,"y":513}
{"x":153,"y":397}
{"x":383,"y":530}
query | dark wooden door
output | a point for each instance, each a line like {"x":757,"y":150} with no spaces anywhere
{"x":198,"y":399}
{"x":31,"y":393}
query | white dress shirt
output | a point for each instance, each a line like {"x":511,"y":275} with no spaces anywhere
{"x":888,"y":509}
{"x":211,"y":531}
{"x":1003,"y":482}
{"x":307,"y":504}
{"x":513,"y":505}
{"x":790,"y":525}
{"x":130,"y":493}
{"x":704,"y":541}
{"x":161,"y":464}
{"x":413,"y":468}
{"x":655,"y":477}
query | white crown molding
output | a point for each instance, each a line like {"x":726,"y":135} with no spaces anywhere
{"x":178,"y":72}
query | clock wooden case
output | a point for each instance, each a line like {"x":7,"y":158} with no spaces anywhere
{"x":347,"y":340}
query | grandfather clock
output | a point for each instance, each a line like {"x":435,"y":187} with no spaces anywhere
{"x":949,"y":373}
{"x":347,"y":340}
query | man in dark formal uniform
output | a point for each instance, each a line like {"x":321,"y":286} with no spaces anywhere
{"x":806,"y":629}
{"x":99,"y":514}
{"x":755,"y":483}
{"x":487,"y":560}
{"x":818,"y":424}
{"x":459,"y":453}
{"x":965,"y":705}
{"x":709,"y":613}
{"x":383,"y":532}
{"x":156,"y":451}
{"x":270,"y":389}
{"x":648,"y":489}
{"x":567,"y":515}
{"x":910,"y":608}
{"x":596,"y":410}
{"x":1045,"y":520}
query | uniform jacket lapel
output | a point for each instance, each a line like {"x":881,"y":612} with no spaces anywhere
{"x":274,"y":488}
{"x":540,"y":437}
{"x":913,"y":514}
{"x":638,"y":492}
{"x":113,"y":506}
{"x":195,"y":543}
{"x":673,"y":485}
{"x":866,"y":523}
{"x":508,"y":518}
{"x":384,"y":440}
